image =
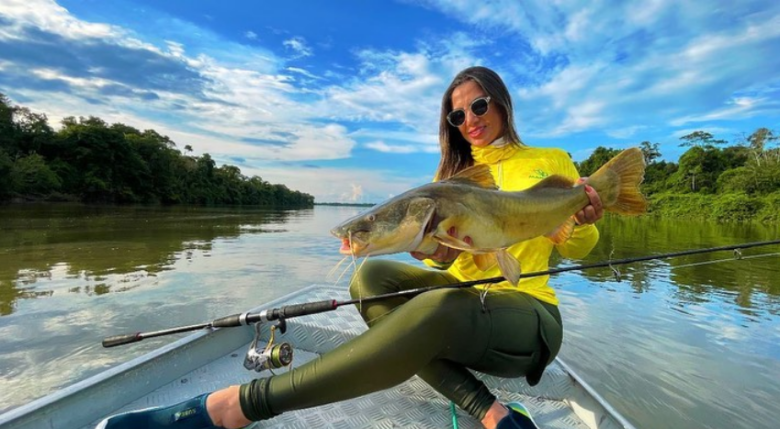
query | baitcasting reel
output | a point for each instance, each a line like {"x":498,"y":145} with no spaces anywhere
{"x":273,"y":356}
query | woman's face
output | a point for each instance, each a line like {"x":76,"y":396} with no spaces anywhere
{"x":482,"y":130}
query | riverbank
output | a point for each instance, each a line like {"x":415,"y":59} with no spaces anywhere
{"x":720,"y":208}
{"x":707,"y":207}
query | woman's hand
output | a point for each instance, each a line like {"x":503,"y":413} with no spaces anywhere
{"x":443,"y":254}
{"x":593,"y":211}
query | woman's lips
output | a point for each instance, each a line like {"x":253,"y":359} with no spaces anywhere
{"x":476,"y":132}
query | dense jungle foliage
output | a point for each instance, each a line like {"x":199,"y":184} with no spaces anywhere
{"x":711,"y":180}
{"x":91,"y":161}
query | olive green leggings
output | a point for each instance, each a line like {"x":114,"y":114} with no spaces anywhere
{"x":437,"y":335}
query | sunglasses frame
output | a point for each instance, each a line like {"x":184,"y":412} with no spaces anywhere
{"x":487,"y":99}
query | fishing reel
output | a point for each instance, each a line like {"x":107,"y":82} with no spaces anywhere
{"x":272,"y":356}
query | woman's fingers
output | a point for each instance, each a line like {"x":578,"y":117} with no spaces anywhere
{"x":595,"y":201}
{"x":594,"y":210}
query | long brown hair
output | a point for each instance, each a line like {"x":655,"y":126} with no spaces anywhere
{"x":455,"y":150}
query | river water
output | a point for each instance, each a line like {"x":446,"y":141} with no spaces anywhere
{"x":690,"y":342}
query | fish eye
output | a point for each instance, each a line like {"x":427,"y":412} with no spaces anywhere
{"x":371,"y":217}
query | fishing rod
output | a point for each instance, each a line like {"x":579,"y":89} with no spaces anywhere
{"x":305,"y":309}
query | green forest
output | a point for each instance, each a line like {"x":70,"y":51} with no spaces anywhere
{"x":90,"y":161}
{"x":712,"y":180}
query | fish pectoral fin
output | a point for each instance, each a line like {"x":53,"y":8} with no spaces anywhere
{"x":484,"y":261}
{"x":451,"y":241}
{"x":562,"y":233}
{"x":509,"y":265}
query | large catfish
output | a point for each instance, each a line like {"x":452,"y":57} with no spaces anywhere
{"x":419,"y":219}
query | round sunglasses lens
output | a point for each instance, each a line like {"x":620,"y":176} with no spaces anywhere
{"x":479,"y":107}
{"x":457,"y":118}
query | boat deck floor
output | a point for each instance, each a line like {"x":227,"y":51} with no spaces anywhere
{"x":412,"y":404}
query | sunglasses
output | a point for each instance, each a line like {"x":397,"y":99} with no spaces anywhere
{"x":478,"y":107}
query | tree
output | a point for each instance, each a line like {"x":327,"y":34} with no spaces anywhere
{"x":760,"y":138}
{"x":701,"y":166}
{"x":758,"y":143}
{"x":31,"y":176}
{"x":650,"y":151}
{"x":699,"y":139}
{"x":6,"y":165}
{"x":32,"y":131}
{"x":599,"y":157}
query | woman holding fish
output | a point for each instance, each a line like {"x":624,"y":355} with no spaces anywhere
{"x":496,"y":207}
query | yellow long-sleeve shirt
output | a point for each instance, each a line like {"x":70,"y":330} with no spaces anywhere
{"x":516,"y":168}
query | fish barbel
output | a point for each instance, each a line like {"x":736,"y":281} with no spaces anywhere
{"x":420,"y":219}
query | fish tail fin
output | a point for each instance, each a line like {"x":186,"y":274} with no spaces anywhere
{"x":617,"y":183}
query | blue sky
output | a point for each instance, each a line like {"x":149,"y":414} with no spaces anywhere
{"x":340,"y":99}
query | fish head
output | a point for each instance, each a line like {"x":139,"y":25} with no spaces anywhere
{"x":397,"y":225}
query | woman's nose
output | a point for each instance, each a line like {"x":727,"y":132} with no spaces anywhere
{"x":470,"y":118}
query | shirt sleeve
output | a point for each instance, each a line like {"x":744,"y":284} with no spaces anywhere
{"x":585,"y":237}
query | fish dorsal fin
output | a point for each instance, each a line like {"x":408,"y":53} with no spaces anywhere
{"x":554,"y":181}
{"x":476,"y":175}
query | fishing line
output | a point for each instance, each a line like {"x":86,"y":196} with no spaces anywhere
{"x":360,"y":284}
{"x":333,"y":270}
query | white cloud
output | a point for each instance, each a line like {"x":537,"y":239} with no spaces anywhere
{"x":302,"y":72}
{"x":251,"y":35}
{"x":403,"y":87}
{"x":401,"y":149}
{"x":339,"y":184}
{"x":357,"y":193}
{"x":428,"y":139}
{"x":623,"y":133}
{"x":299,"y":46}
{"x":49,"y":16}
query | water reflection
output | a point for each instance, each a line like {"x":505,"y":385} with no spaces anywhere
{"x":109,"y":249}
{"x":719,"y":276}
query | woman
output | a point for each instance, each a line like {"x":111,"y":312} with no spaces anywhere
{"x":439,"y":335}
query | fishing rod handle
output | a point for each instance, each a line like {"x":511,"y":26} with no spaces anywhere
{"x":119,"y":340}
{"x":285,"y":312}
{"x":296,"y":310}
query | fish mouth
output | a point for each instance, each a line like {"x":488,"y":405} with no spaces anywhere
{"x":351,"y":248}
